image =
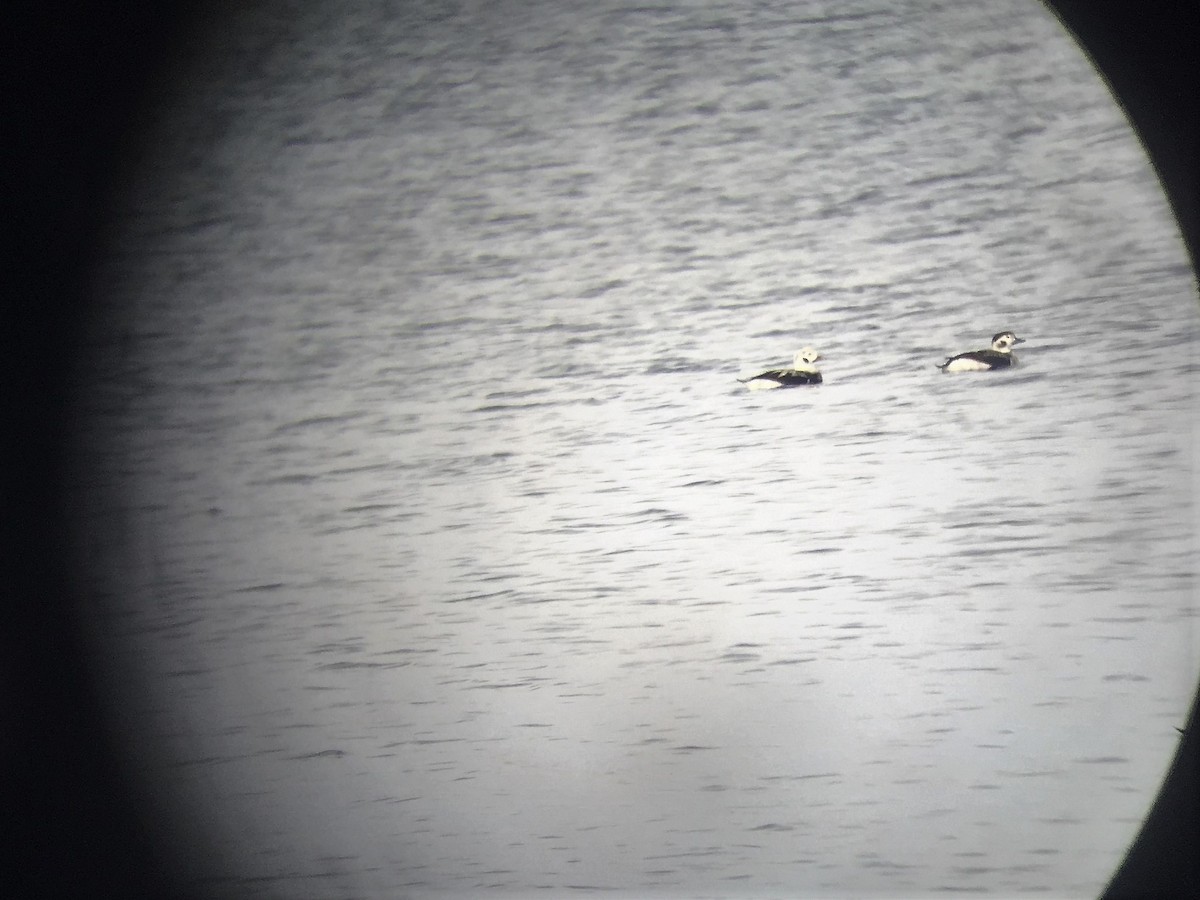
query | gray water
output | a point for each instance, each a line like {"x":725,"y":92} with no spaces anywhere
{"x":437,"y":552}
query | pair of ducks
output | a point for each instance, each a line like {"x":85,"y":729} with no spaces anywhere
{"x":804,"y":370}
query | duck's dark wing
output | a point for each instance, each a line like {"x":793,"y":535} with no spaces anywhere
{"x":786,"y":377}
{"x":992,"y":358}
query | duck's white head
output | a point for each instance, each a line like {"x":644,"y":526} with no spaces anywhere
{"x":1005,"y":341}
{"x":804,"y":360}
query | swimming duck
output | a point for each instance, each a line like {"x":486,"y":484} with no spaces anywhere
{"x":1000,"y":356}
{"x":802,"y":372}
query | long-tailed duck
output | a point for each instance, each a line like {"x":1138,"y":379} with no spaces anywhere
{"x":1000,"y":356}
{"x":803,"y":371}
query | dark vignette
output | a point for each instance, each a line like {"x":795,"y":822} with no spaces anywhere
{"x":79,"y":78}
{"x":1149,"y":53}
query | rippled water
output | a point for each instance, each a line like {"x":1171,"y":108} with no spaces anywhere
{"x":438,"y":551}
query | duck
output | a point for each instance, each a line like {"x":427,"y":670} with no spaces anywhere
{"x":803,"y":371}
{"x":1000,"y":356}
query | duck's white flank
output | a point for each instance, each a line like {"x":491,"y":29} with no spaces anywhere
{"x":967,"y":364}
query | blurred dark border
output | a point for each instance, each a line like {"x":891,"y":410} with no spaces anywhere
{"x":78,"y":78}
{"x":78,"y":82}
{"x":1149,"y":52}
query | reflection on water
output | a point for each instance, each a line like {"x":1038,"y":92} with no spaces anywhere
{"x":440,"y":551}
